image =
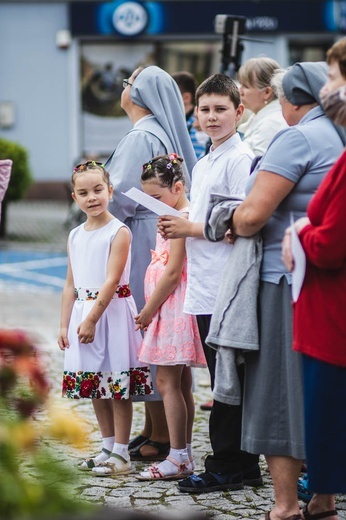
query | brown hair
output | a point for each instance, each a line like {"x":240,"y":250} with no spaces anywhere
{"x":186,"y":82}
{"x":167,"y":169}
{"x":222,"y":85}
{"x":90,"y":166}
{"x":338,"y":53}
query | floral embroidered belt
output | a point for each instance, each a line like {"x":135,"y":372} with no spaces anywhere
{"x":123,"y":291}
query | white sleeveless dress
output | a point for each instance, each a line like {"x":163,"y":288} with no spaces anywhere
{"x":107,"y":368}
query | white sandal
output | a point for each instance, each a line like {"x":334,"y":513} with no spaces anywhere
{"x":154,"y":473}
{"x":89,"y":464}
{"x":112,"y":469}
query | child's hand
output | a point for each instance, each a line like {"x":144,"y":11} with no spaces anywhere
{"x":230,"y":236}
{"x":173,"y":227}
{"x":62,"y":340}
{"x":86,"y":332}
{"x":143,"y":319}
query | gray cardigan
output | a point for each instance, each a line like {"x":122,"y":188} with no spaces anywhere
{"x":233,"y":327}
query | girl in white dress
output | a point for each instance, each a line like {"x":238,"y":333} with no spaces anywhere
{"x":97,"y":320}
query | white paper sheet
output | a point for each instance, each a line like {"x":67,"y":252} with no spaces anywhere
{"x":298,"y":273}
{"x":156,"y":206}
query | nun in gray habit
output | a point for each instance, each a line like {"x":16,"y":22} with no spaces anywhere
{"x":153,"y":102}
{"x":282,"y":184}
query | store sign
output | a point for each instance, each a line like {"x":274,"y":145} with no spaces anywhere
{"x":128,"y":19}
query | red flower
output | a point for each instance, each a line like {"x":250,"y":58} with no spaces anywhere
{"x":86,"y":388}
{"x":70,"y":382}
{"x":123,"y":291}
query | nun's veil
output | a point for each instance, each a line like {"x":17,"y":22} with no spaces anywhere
{"x":157,"y":91}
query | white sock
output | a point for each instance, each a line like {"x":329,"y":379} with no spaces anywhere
{"x":108,"y":445}
{"x":108,"y":442}
{"x":122,"y":450}
{"x":189,"y":453}
{"x":189,"y":450}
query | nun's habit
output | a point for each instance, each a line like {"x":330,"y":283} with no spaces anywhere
{"x":164,"y":131}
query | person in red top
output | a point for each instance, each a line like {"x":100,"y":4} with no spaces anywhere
{"x":319,"y":326}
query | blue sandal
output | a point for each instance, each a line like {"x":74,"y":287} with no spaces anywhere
{"x":208,"y":482}
{"x":303,"y":489}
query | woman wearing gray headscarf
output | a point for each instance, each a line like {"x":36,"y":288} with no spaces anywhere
{"x":153,"y":102}
{"x":283,"y":182}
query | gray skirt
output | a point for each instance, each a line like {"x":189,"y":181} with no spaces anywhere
{"x":273,"y":418}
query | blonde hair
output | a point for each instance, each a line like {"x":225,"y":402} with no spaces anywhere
{"x":258,"y":72}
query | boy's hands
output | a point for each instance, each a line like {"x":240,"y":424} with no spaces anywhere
{"x":179,"y":227}
{"x":143,"y":319}
{"x":230,"y":236}
{"x":86,"y":331}
{"x":173,"y":227}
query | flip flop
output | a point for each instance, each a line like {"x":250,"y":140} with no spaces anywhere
{"x":292,"y":517}
{"x":162,"y":448}
{"x":317,"y":516}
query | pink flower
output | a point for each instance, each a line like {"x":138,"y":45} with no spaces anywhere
{"x":170,"y":352}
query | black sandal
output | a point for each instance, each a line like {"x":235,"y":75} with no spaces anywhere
{"x":162,"y":448}
{"x":317,"y":516}
{"x":137,"y":441}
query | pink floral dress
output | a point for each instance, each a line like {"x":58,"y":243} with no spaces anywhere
{"x":172,"y":337}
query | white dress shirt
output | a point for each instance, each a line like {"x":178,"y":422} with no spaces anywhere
{"x":224,"y":170}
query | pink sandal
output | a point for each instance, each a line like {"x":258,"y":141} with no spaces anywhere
{"x":153,"y":472}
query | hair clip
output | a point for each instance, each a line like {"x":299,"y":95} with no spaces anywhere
{"x":147,"y":165}
{"x":83,"y":166}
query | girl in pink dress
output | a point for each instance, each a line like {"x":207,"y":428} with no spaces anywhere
{"x":171,"y":340}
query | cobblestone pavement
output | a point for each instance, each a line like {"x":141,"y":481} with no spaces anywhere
{"x":38,"y":313}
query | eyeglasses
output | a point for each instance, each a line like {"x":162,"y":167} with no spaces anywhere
{"x":83,"y":166}
{"x":126,"y":83}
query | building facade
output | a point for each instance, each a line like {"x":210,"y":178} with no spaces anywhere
{"x":63,"y":62}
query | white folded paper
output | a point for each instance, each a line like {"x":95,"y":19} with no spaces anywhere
{"x":298,"y":273}
{"x":156,"y":206}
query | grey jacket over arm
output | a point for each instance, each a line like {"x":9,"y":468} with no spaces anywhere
{"x":233,"y":328}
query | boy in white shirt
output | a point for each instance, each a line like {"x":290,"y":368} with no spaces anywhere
{"x":224,"y":170}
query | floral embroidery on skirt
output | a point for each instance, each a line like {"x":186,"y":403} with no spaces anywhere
{"x":107,"y":385}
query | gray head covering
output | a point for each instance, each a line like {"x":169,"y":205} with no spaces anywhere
{"x":302,"y":84}
{"x":157,"y":91}
{"x":303,"y":81}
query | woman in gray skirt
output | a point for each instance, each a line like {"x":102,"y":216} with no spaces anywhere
{"x":282,"y":184}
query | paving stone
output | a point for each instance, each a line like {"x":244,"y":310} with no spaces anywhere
{"x":39,"y":314}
